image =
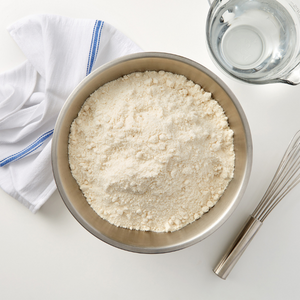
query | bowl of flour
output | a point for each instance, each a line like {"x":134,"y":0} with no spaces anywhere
{"x":151,"y":153}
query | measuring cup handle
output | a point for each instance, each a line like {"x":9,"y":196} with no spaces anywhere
{"x":237,"y":248}
{"x":293,"y":78}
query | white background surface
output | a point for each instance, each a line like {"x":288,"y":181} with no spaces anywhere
{"x":48,"y":255}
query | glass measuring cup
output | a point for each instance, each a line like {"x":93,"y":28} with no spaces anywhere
{"x":256,"y":41}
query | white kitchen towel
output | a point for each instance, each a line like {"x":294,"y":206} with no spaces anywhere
{"x":61,"y":51}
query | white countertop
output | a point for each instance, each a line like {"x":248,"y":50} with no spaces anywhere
{"x":49,"y":255}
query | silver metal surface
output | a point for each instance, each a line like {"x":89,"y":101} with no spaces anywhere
{"x":237,"y":248}
{"x":285,"y":179}
{"x":140,"y":241}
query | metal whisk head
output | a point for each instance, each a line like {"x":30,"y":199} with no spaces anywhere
{"x":285,"y":179}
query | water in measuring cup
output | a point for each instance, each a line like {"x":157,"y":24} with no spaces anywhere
{"x":255,"y":38}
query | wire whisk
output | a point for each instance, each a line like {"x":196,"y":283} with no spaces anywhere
{"x":285,"y":179}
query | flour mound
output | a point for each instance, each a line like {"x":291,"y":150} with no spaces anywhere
{"x":151,"y":151}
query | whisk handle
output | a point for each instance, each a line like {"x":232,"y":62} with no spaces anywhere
{"x":237,"y":248}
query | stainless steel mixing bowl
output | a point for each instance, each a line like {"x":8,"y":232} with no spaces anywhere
{"x":140,"y":241}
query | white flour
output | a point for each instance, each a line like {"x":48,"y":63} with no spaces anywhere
{"x":151,"y":151}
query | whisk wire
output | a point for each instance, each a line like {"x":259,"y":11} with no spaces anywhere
{"x":280,"y":188}
{"x":285,"y":179}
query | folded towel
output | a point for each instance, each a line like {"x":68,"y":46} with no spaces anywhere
{"x":61,"y":52}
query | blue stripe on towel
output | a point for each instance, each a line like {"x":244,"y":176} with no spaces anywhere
{"x":39,"y":142}
{"x":94,"y":45}
{"x":32,"y":147}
